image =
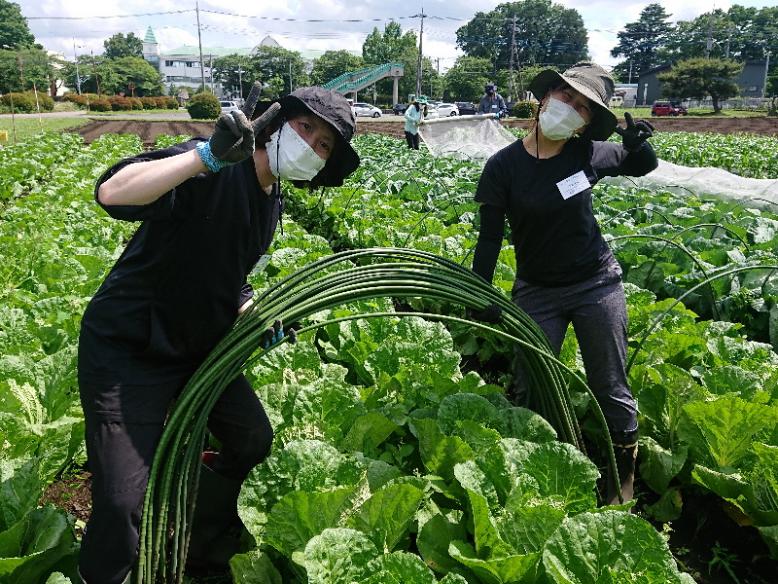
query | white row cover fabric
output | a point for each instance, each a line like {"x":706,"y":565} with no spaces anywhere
{"x":478,"y":137}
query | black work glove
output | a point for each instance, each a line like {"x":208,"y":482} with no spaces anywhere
{"x":233,"y":138}
{"x":491,"y":314}
{"x":635,"y":134}
{"x":275,"y":334}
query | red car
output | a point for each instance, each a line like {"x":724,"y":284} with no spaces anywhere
{"x":667,"y":108}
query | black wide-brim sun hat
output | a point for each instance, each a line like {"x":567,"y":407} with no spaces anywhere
{"x":591,"y":80}
{"x":334,"y":109}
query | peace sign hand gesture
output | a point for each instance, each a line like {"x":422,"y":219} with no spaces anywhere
{"x":635,"y":134}
{"x":233,"y":137}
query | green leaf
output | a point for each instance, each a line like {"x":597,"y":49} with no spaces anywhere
{"x":338,"y":556}
{"x":58,"y":578}
{"x":667,"y":508}
{"x":367,"y":433}
{"x":399,"y":568}
{"x":439,"y":453}
{"x":608,"y":547}
{"x":720,"y":432}
{"x":433,"y":541}
{"x":457,"y":408}
{"x":387,"y":515}
{"x":495,"y":570}
{"x":254,"y":567}
{"x":300,"y":515}
{"x":528,"y":522}
{"x":524,"y":424}
{"x":658,"y":465}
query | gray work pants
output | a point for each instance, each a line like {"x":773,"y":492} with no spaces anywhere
{"x":597,"y":309}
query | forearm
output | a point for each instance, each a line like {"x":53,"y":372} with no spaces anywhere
{"x":640,"y":162}
{"x":489,"y":245}
{"x":142,"y":183}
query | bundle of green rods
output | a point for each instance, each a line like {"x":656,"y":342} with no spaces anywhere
{"x":330,"y":282}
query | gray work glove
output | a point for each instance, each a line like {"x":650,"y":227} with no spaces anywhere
{"x":233,"y":138}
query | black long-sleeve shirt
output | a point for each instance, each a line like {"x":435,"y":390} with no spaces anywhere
{"x":556,"y":238}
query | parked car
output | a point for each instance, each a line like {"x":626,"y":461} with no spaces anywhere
{"x":466,"y":108}
{"x":399,"y":108}
{"x":668,"y":108}
{"x":365,"y":109}
{"x":447,"y":109}
{"x":229,"y":106}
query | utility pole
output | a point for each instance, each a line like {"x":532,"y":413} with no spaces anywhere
{"x":630,"y":71}
{"x":729,"y":38}
{"x":78,"y":75}
{"x":513,"y":51}
{"x":290,"y":78}
{"x":200,"y":45}
{"x":210,"y":72}
{"x":240,"y":82}
{"x":418,"y":62}
{"x":766,"y":68}
{"x":709,"y":41}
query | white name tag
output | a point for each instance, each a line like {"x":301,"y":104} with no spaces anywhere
{"x":573,"y":184}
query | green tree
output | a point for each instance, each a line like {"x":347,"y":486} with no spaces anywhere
{"x":97,"y":75}
{"x":393,"y":46}
{"x":740,"y":33}
{"x":465,"y":80}
{"x":135,"y":77}
{"x":640,"y":43}
{"x":273,"y":64}
{"x":699,"y":78}
{"x":26,"y":68}
{"x":334,"y":63}
{"x":14,"y":31}
{"x":546,"y":34}
{"x":232,"y":71}
{"x":772,"y":93}
{"x":123,"y":46}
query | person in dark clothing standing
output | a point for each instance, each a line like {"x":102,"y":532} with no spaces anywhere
{"x":209,"y":210}
{"x":492,"y":102}
{"x":565,"y":269}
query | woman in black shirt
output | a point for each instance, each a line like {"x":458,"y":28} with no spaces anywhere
{"x":565,"y":272}
{"x":209,"y":210}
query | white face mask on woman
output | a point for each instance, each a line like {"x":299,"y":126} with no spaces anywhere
{"x":291,"y":157}
{"x":559,"y":121}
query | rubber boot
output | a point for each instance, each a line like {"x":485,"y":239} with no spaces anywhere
{"x":216,"y":526}
{"x":626,"y":455}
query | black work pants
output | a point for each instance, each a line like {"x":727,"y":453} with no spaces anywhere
{"x":412,"y":140}
{"x":123,"y":426}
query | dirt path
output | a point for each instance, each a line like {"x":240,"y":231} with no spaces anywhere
{"x":148,"y":131}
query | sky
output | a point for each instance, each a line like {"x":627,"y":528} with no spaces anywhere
{"x":60,"y":24}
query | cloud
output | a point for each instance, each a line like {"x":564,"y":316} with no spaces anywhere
{"x":602,"y":18}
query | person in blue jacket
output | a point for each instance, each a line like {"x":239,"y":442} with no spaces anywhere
{"x":565,"y":271}
{"x":413,"y":115}
{"x":208,"y":210}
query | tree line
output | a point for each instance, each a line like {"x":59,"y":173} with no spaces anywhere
{"x":506,"y":45}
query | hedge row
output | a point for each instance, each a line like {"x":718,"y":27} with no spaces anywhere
{"x":25,"y":102}
{"x":119,"y":103}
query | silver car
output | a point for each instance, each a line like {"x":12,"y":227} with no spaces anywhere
{"x":366,"y":110}
{"x":229,"y":106}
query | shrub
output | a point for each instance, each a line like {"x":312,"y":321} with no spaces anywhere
{"x":119,"y":103}
{"x":136,"y":102}
{"x":25,"y":102}
{"x":149,"y":102}
{"x":100,"y":105}
{"x":524,"y":109}
{"x":172,"y":103}
{"x":203,"y":106}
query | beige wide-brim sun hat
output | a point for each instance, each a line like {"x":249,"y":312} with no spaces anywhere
{"x":593,"y":82}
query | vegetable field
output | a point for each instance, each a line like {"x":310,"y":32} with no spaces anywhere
{"x":398,"y":455}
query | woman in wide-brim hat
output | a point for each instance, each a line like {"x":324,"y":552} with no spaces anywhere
{"x":208,"y":210}
{"x":565,"y":271}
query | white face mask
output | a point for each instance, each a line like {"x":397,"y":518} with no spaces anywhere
{"x":559,"y":121}
{"x":291,"y":157}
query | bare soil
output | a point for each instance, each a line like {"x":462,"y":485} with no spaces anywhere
{"x":148,"y":131}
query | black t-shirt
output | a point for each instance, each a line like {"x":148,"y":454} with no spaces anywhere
{"x":176,"y":289}
{"x":556,"y":240}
